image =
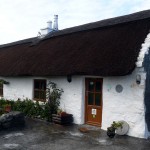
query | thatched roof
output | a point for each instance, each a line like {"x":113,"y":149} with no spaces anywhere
{"x":104,"y":48}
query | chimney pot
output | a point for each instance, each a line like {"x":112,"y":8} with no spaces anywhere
{"x":49,"y":25}
{"x":55,"y":26}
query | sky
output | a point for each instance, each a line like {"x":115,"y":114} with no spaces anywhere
{"x":21,"y":19}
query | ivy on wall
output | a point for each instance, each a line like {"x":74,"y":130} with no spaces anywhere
{"x":3,"y":81}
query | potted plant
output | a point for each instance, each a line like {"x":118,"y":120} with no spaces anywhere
{"x":59,"y":111}
{"x":115,"y":125}
{"x":111,"y":132}
{"x":53,"y":95}
{"x":7,"y":108}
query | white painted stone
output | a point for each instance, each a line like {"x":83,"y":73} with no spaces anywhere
{"x":19,"y":87}
{"x":127,"y":105}
{"x":144,"y":50}
{"x":124,"y":129}
{"x":71,"y":101}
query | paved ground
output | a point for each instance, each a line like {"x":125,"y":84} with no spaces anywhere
{"x":39,"y":135}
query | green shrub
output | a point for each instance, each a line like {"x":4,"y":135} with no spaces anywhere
{"x":3,"y":104}
{"x":53,"y":95}
{"x":33,"y":109}
{"x":29,"y":108}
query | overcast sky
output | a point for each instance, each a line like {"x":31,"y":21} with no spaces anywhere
{"x":20,"y":19}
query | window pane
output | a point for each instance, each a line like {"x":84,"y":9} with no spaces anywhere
{"x":91,"y":86}
{"x":43,"y":85}
{"x":90,"y":98}
{"x":98,"y":87}
{"x":36,"y":84}
{"x":97,"y":99}
{"x":36,"y":94}
{"x":42,"y":95}
{"x":40,"y":89}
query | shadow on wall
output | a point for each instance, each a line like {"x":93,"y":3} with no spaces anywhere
{"x":147,"y":90}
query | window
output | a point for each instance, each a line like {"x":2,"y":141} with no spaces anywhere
{"x":1,"y":89}
{"x":40,"y":90}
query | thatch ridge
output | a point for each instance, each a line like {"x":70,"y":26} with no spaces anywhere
{"x":103,"y":23}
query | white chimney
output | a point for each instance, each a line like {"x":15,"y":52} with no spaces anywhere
{"x":55,"y":26}
{"x":44,"y":31}
{"x":47,"y":30}
{"x":49,"y":26}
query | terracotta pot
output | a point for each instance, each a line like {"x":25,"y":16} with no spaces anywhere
{"x":7,"y":108}
{"x":63,"y":113}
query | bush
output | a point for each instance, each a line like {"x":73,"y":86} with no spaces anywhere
{"x":3,"y":104}
{"x":53,"y":95}
{"x":33,"y":109}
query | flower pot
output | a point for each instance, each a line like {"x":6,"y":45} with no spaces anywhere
{"x":7,"y":108}
{"x":111,"y":132}
{"x":64,"y":119}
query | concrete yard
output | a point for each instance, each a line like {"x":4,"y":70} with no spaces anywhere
{"x":40,"y":135}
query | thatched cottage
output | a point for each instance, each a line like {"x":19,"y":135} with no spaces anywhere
{"x":103,"y":68}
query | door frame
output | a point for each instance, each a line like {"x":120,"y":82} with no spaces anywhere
{"x":85,"y":106}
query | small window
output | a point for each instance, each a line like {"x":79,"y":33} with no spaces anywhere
{"x":1,"y":89}
{"x":40,"y":90}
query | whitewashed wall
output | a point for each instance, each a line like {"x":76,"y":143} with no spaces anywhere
{"x":72,"y":100}
{"x":127,"y":105}
{"x":18,"y":88}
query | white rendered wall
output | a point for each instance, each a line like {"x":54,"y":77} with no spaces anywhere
{"x":18,"y":88}
{"x":127,"y":105}
{"x":72,"y":100}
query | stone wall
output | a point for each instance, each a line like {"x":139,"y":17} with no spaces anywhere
{"x":127,"y":105}
{"x":72,"y":99}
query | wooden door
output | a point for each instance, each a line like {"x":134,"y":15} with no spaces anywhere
{"x":93,"y":101}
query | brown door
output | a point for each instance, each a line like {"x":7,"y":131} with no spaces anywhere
{"x":93,"y":101}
